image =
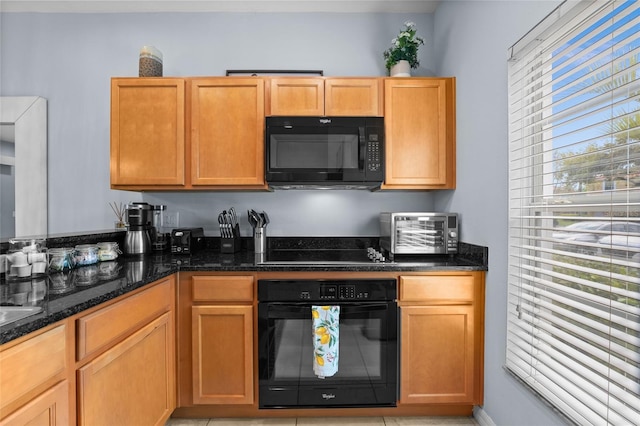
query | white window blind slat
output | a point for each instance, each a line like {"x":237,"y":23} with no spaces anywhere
{"x":573,"y":329}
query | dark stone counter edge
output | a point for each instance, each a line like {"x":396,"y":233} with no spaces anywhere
{"x":36,"y":322}
{"x":470,"y":258}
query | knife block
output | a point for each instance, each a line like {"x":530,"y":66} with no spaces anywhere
{"x":231,"y":245}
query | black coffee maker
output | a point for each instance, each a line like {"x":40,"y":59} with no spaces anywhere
{"x":137,"y":239}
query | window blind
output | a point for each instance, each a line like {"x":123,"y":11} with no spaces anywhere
{"x":573,"y":329}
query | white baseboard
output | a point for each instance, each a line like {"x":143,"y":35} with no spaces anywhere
{"x":482,"y":417}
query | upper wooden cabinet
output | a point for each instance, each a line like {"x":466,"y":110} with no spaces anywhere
{"x":208,"y":133}
{"x":147,"y":131}
{"x":325,"y":96}
{"x":174,"y":133}
{"x":420,"y":133}
{"x":227,"y":131}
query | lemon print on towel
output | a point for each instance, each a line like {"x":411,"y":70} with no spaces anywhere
{"x":326,"y":332}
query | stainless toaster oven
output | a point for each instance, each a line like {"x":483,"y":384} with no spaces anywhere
{"x":419,"y":232}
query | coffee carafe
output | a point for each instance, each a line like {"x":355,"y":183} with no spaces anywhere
{"x":137,"y":239}
{"x":159,"y":235}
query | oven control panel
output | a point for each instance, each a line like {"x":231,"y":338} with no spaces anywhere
{"x":324,"y":291}
{"x":337,"y":293}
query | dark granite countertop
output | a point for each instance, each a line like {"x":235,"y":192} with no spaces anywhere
{"x":61,"y":295}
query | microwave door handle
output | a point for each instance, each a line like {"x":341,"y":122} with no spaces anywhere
{"x":361,"y":140}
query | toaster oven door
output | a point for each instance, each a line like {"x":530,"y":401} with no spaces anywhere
{"x":419,"y":235}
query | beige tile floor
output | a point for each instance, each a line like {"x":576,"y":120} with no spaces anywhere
{"x":329,"y":421}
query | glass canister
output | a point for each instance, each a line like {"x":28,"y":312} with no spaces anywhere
{"x":61,"y":259}
{"x":108,"y":251}
{"x":86,"y":254}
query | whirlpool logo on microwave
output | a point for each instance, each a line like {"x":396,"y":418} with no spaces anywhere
{"x":328,"y":396}
{"x":325,"y":120}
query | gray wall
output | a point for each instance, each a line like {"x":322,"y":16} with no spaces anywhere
{"x":70,"y":58}
{"x":471,"y":39}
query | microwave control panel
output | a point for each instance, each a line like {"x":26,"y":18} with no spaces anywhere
{"x":374,"y":155}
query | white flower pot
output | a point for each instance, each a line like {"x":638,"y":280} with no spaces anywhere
{"x":401,"y":69}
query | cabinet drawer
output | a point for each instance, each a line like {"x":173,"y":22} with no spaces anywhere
{"x":105,"y":326}
{"x":437,"y":288}
{"x":31,"y":365}
{"x":222,"y":289}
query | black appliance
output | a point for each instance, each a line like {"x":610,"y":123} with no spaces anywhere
{"x":187,"y":240}
{"x":368,"y":343}
{"x":324,"y":152}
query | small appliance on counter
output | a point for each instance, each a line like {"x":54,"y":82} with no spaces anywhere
{"x":187,"y":240}
{"x":137,"y":239}
{"x":145,"y":231}
{"x":159,"y":236}
{"x":418,"y":233}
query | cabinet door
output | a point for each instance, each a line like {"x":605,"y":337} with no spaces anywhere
{"x":147,"y":131}
{"x":32,"y":366}
{"x":297,"y":96}
{"x":437,"y":354}
{"x":227,"y":131}
{"x":420,"y":133}
{"x":353,"y":97}
{"x":50,"y":408}
{"x":222,"y":340}
{"x":134,"y":382}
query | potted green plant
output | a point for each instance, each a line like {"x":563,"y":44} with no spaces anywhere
{"x":403,"y":48}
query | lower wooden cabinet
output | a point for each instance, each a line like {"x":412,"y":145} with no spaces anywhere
{"x":127,"y":350}
{"x":34,"y":376}
{"x":216,"y":340}
{"x":222,"y":354}
{"x":130,"y":383}
{"x":49,"y":408}
{"x":441,"y":343}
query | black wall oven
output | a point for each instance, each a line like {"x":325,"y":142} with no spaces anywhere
{"x":367,"y":365}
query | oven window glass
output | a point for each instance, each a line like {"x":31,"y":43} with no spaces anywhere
{"x":364,"y":342}
{"x":331,"y":152}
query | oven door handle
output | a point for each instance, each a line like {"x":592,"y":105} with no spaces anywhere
{"x":283,"y":310}
{"x":361,"y":143}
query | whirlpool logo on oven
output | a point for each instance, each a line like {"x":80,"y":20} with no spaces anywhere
{"x":328,"y":396}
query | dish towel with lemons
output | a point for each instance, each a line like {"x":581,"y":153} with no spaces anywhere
{"x":326,"y":333}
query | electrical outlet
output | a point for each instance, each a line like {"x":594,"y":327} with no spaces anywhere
{"x":170,"y":219}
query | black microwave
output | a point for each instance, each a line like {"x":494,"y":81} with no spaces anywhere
{"x":324,"y":152}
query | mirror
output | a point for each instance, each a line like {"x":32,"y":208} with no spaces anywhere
{"x":23,"y":166}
